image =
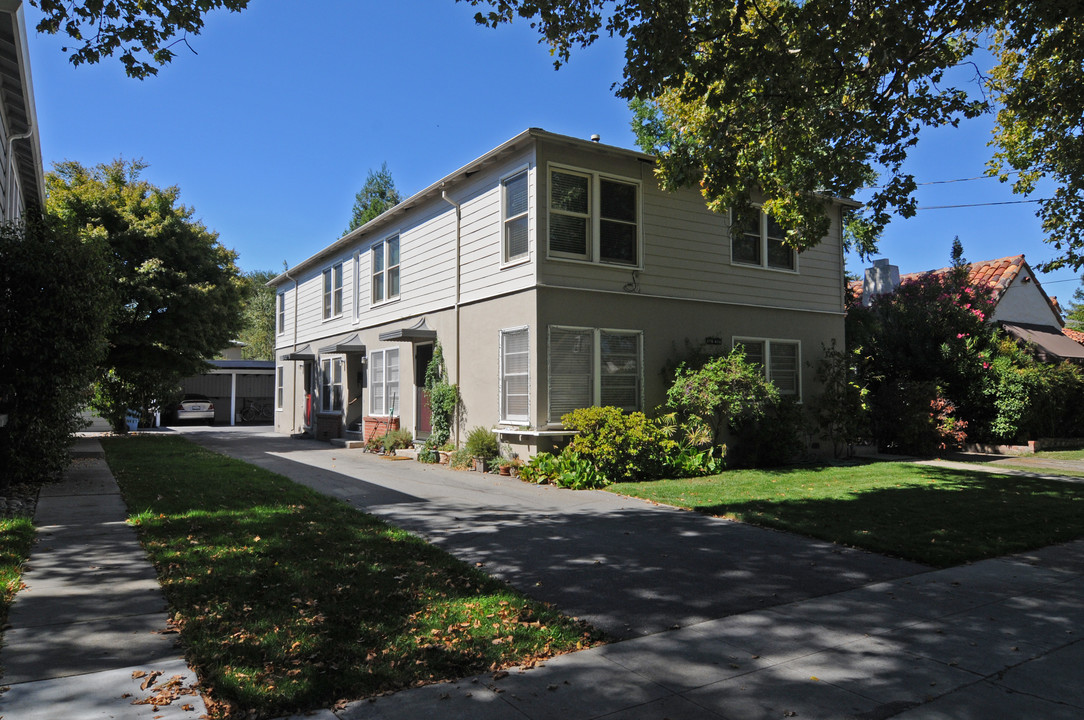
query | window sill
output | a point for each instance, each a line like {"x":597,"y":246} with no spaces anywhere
{"x":382,"y":303}
{"x":331,"y":318}
{"x":751,"y":266}
{"x":517,"y":262}
{"x":622,"y":267}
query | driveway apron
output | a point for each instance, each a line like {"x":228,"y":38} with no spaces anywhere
{"x":628,"y":567}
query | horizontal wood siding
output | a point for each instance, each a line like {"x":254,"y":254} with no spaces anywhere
{"x":427,"y":260}
{"x":686,"y":248}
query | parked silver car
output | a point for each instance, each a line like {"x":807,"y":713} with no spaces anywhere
{"x":195,"y":407}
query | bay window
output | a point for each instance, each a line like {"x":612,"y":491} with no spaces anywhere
{"x":331,"y":385}
{"x":384,"y":382}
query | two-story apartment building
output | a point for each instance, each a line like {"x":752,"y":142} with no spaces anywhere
{"x":556,"y":274}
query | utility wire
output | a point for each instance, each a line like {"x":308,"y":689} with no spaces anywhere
{"x":968,"y":205}
{"x":945,"y":182}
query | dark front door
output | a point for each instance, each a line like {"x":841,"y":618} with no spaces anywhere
{"x":422,"y":355}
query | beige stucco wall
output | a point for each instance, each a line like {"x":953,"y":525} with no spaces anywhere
{"x":669,"y":325}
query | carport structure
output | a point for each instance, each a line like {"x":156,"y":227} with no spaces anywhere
{"x":231,"y":384}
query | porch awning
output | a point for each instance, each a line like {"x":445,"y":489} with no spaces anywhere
{"x":351,"y":344}
{"x":1052,"y":344}
{"x":415,"y":333}
{"x":302,"y":354}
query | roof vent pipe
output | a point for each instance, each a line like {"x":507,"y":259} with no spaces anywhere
{"x":596,"y":138}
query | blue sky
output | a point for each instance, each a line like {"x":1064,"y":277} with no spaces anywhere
{"x":273,"y":126}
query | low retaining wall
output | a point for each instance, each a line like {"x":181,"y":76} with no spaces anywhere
{"x":1032,"y":447}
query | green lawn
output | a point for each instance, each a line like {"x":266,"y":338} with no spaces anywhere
{"x":931,"y":515}
{"x":16,"y":535}
{"x":1059,"y":455}
{"x":287,"y":600}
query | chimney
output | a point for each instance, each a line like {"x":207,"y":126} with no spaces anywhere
{"x":881,"y":279}
{"x":595,"y":138}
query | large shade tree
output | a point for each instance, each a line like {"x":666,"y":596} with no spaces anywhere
{"x":141,"y":33}
{"x":176,"y":290}
{"x":803,"y":98}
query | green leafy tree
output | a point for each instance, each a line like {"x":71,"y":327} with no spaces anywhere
{"x":258,"y":316}
{"x":176,"y":292}
{"x":54,"y":309}
{"x":143,"y":32}
{"x":799,"y":99}
{"x":376,"y":195}
{"x":1074,"y":318}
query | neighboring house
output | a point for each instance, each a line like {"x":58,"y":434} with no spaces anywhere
{"x":22,"y":179}
{"x":556,"y":275}
{"x":1021,"y":306}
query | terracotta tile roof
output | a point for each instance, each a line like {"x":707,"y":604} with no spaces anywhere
{"x":1073,"y":335}
{"x":995,"y":274}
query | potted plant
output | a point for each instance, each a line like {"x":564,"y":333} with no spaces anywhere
{"x":482,"y":445}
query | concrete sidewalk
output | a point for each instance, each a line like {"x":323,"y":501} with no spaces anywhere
{"x":91,"y":617}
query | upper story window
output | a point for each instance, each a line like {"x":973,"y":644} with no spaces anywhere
{"x":333,"y":291}
{"x":385,"y":257}
{"x":780,"y":359}
{"x":514,"y":199}
{"x":594,"y":366}
{"x":762,"y":243}
{"x":281,"y":313}
{"x":594,"y":218}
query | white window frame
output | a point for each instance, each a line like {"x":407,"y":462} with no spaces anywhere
{"x":332,"y":291}
{"x":280,"y":387}
{"x":767,"y":364}
{"x":280,"y":313}
{"x":762,"y":219}
{"x":380,"y":390}
{"x":332,"y":376}
{"x":380,"y":248}
{"x":503,"y":394}
{"x":593,"y":250}
{"x":596,"y":366}
{"x":506,"y":259}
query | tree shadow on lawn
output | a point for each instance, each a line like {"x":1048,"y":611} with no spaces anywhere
{"x":945,"y":517}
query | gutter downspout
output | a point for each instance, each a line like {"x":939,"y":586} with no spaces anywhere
{"x":293,"y":403}
{"x":11,"y":165}
{"x":458,"y":240}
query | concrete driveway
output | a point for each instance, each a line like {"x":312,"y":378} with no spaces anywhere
{"x":629,"y":567}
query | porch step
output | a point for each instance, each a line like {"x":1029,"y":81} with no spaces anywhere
{"x":348,"y":444}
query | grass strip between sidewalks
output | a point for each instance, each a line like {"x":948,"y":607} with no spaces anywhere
{"x":931,"y":515}
{"x":16,"y":537}
{"x":287,"y":600}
